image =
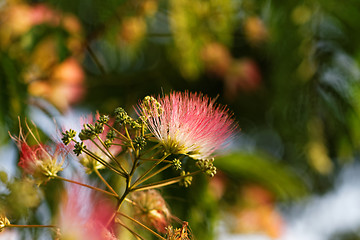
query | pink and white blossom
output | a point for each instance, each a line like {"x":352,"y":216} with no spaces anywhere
{"x":40,"y":160}
{"x":189,"y":123}
{"x":84,"y":216}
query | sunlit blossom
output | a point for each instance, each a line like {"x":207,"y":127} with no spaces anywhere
{"x":83,"y":216}
{"x":40,"y":160}
{"x":189,"y":123}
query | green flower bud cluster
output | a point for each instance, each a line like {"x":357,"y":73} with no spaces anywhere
{"x":103,"y":119}
{"x":207,"y":166}
{"x":176,"y":163}
{"x":111,"y":135}
{"x":186,"y":181}
{"x":79,"y":148}
{"x":139,"y":142}
{"x":123,"y":118}
{"x":68,"y":135}
{"x":90,"y":131}
{"x":150,"y":104}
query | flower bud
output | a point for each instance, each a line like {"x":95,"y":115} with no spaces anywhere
{"x":152,"y":209}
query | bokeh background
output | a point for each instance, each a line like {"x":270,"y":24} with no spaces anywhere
{"x":288,"y":70}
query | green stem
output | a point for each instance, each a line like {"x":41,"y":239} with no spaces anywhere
{"x":31,"y":226}
{"x":108,"y":154}
{"x":150,"y":149}
{"x":142,"y":225}
{"x":128,"y":135}
{"x":96,"y":60}
{"x":164,"y":182}
{"x":105,"y":182}
{"x":150,"y":169}
{"x":104,"y":162}
{"x":121,"y":200}
{"x":153,"y":174}
{"x":85,"y":185}
{"x":130,"y":230}
{"x":117,"y":131}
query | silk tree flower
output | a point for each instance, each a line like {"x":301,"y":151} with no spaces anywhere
{"x":188,"y":123}
{"x":89,"y":163}
{"x":41,"y":161}
{"x":84,"y":216}
{"x":151,"y":208}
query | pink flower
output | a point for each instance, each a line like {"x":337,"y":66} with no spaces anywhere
{"x":40,"y":161}
{"x":83,"y":216}
{"x":188,"y":123}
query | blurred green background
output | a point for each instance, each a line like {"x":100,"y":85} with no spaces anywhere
{"x":288,"y":70}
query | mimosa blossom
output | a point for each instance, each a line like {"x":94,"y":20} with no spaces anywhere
{"x":41,"y":161}
{"x":83,"y":217}
{"x":189,"y":123}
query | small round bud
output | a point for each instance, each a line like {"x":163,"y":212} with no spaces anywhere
{"x":139,"y":142}
{"x":103,"y":119}
{"x":111,"y":135}
{"x":68,"y":136}
{"x":150,"y":106}
{"x":121,"y":115}
{"x":176,"y":164}
{"x":78,"y":148}
{"x":88,"y":132}
{"x":186,"y":181}
{"x":207,"y":166}
{"x":99,"y":128}
{"x":108,"y":143}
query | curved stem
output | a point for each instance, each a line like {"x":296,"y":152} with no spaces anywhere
{"x":117,"y":131}
{"x":31,"y":226}
{"x":150,"y":149}
{"x":153,"y":174}
{"x":130,"y":230}
{"x":108,"y":153}
{"x":149,"y":170}
{"x":128,"y":136}
{"x":105,"y":182}
{"x":164,"y":182}
{"x":85,"y":185}
{"x":104,"y":163}
{"x":142,"y":225}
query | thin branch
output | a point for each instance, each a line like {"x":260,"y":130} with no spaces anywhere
{"x":104,"y":181}
{"x":142,"y":225}
{"x":130,"y":230}
{"x":85,"y":185}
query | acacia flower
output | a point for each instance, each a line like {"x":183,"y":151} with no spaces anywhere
{"x":188,"y":123}
{"x":152,"y":209}
{"x":40,"y":161}
{"x":83,"y":216}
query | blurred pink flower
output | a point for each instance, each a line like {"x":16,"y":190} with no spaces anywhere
{"x":189,"y":123}
{"x":83,"y":216}
{"x":152,"y":209}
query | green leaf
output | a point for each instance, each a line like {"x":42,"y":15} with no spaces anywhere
{"x":263,"y":169}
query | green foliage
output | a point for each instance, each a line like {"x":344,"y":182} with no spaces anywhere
{"x":265,"y":170}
